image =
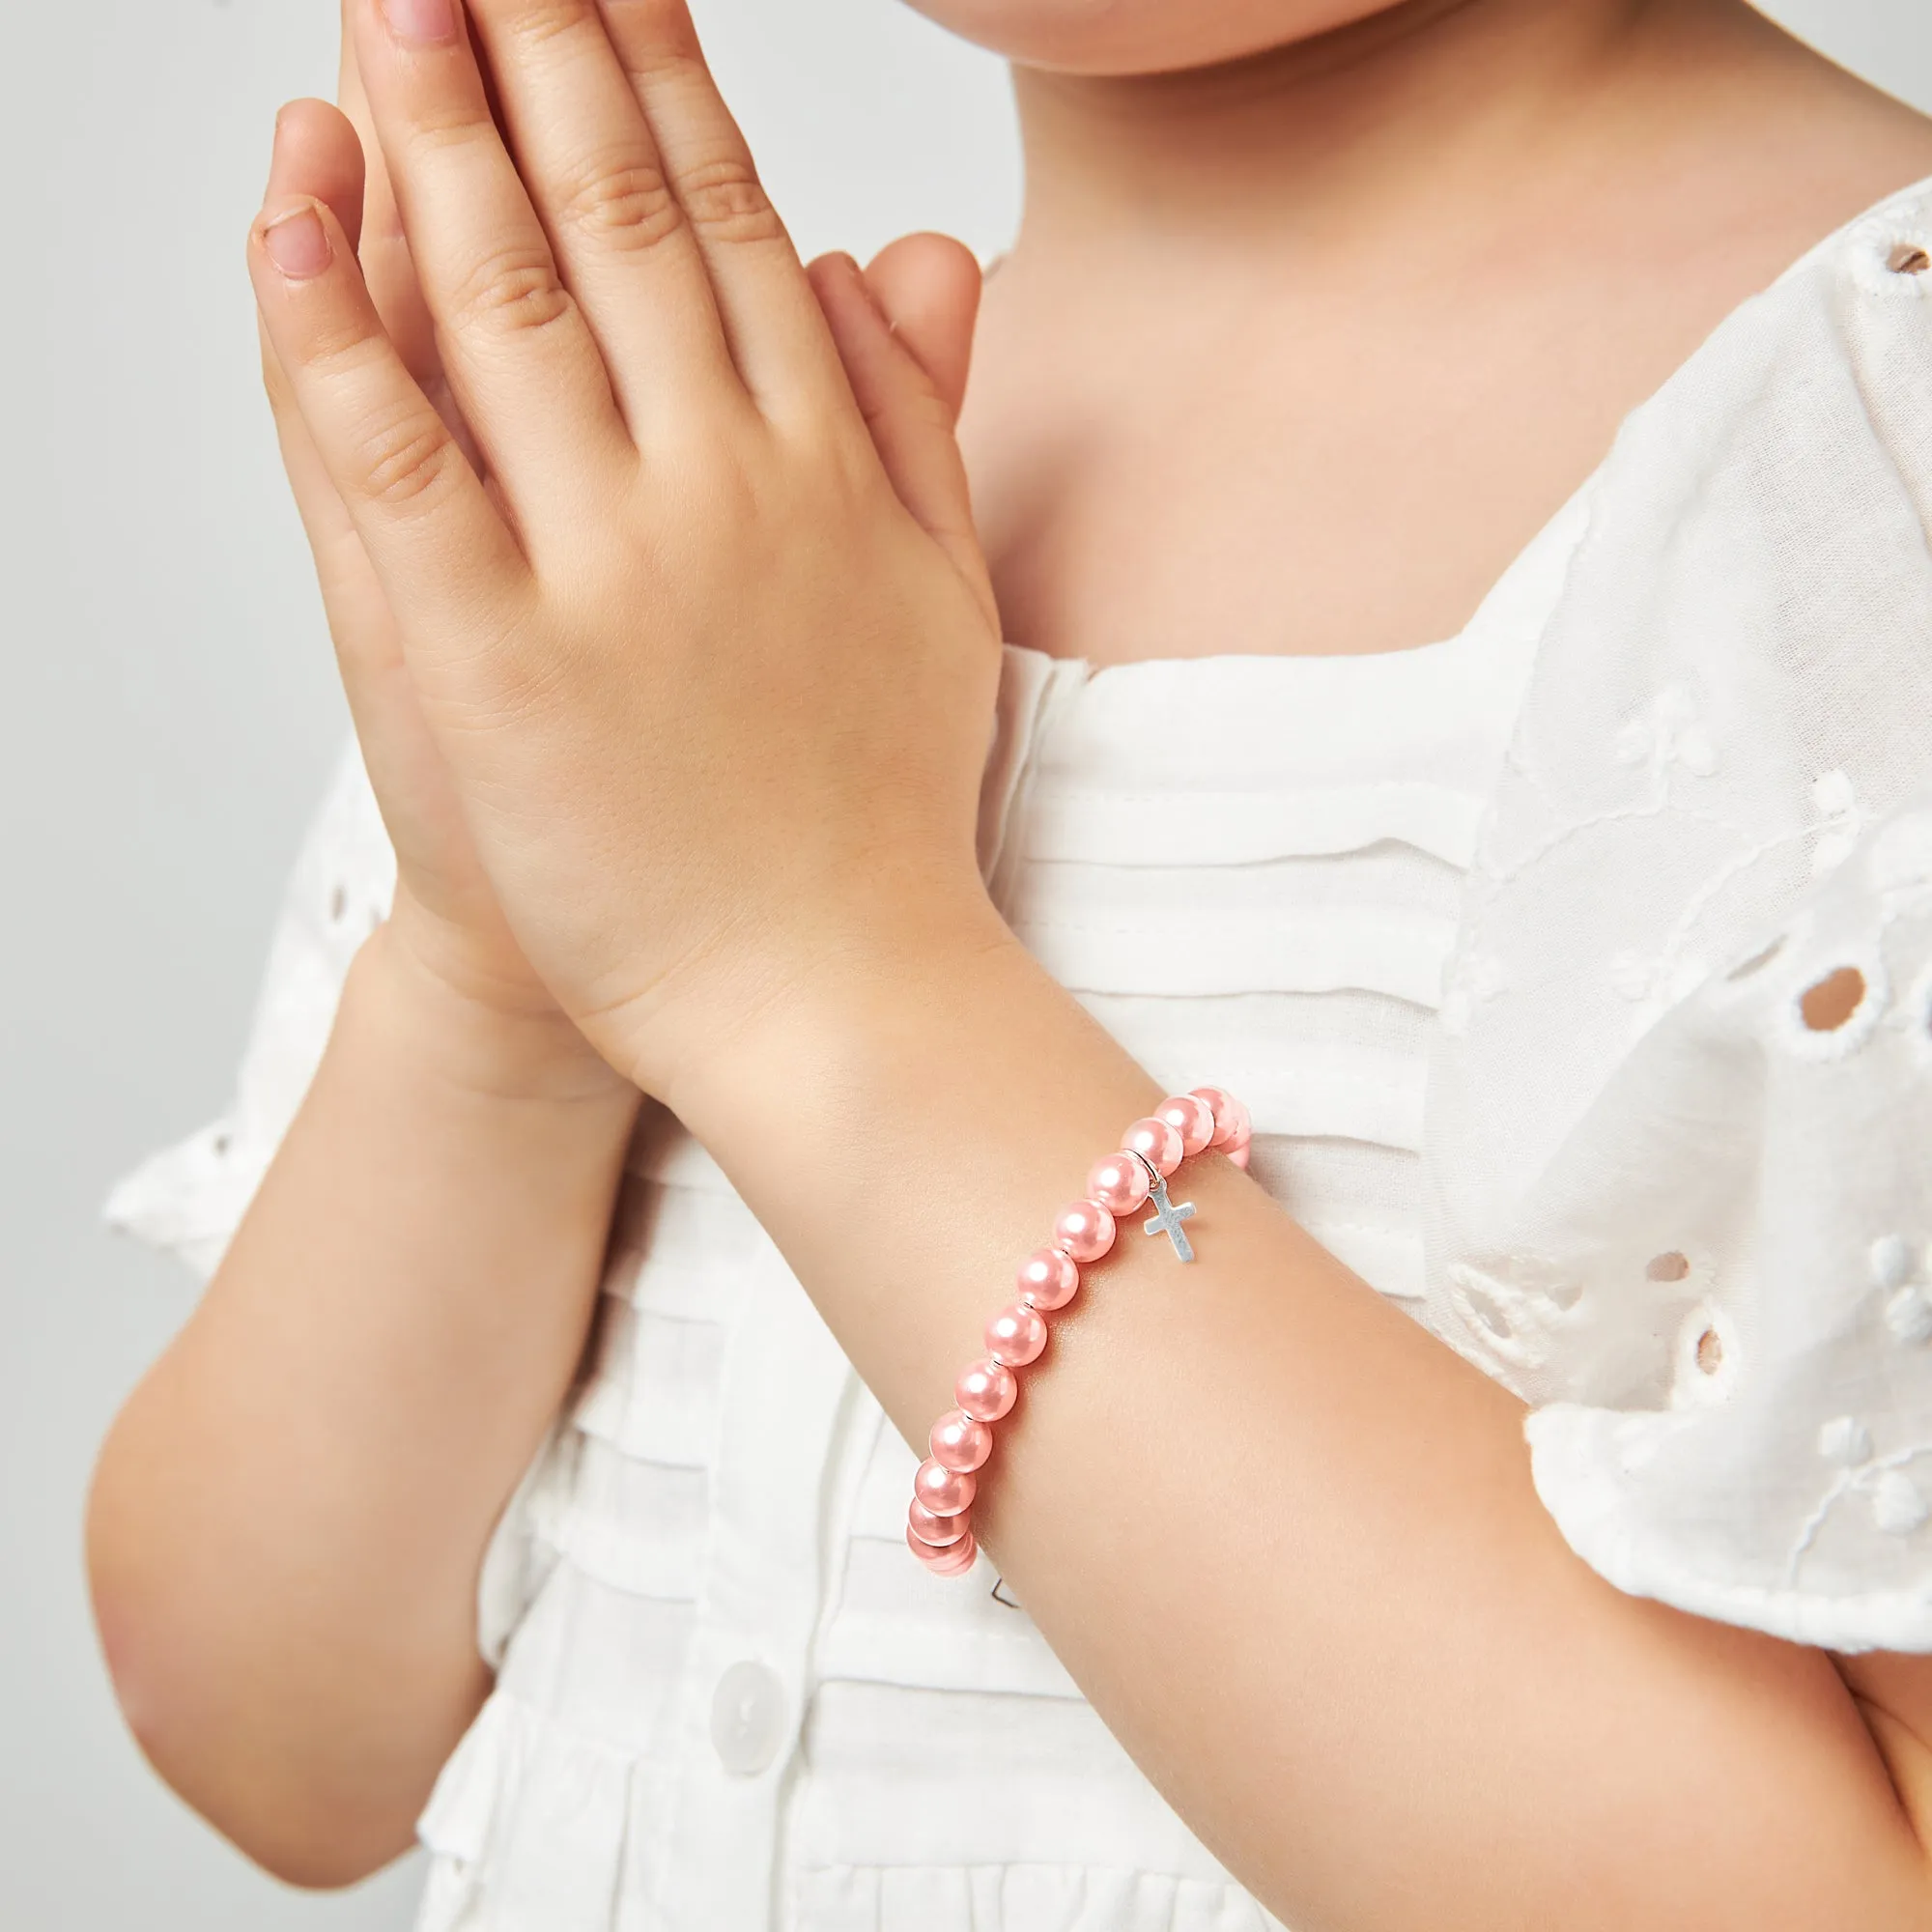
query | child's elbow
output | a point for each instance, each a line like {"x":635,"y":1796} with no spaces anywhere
{"x":271,"y":1811}
{"x":191,"y":1715}
{"x":313,"y":1855}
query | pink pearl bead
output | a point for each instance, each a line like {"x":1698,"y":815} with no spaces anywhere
{"x":1017,"y":1335}
{"x":1084,"y":1230}
{"x":1229,"y":1114}
{"x":936,"y":1532}
{"x":1191,"y":1118}
{"x":961,"y":1441}
{"x":953,"y":1562}
{"x":1239,"y":1157}
{"x":944,"y":1491}
{"x":958,"y":1560}
{"x":1048,"y":1279}
{"x":1156,"y":1143}
{"x":1120,"y":1184}
{"x":987,"y":1390}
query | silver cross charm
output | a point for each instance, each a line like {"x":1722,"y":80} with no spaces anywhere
{"x":1167,"y":1221}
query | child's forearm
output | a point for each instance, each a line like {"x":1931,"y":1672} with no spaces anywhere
{"x":1284,"y":1539}
{"x":288,"y":1519}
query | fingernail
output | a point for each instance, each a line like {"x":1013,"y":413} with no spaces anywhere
{"x":297,"y":244}
{"x":422,"y":22}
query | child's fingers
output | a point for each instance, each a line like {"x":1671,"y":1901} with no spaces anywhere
{"x":520,"y":356}
{"x":911,"y":422}
{"x":929,"y":287}
{"x":777,"y":334}
{"x":382,"y":245}
{"x":627,"y":248}
{"x":315,"y":151}
{"x":387,"y":267}
{"x":435,"y":541}
{"x":332,"y":538}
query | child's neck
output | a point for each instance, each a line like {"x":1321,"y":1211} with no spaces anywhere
{"x":1384,"y":293}
{"x":1429,"y":108}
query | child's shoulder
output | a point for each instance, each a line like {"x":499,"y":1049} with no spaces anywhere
{"x":1734,"y":684}
{"x":1781,"y":165}
{"x":1808,"y":134}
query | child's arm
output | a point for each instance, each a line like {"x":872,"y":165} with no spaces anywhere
{"x":288,"y":1515}
{"x":288,"y":1519}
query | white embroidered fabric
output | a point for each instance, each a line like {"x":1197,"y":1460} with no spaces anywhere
{"x":1661,"y":1165}
{"x":1683,"y":1221}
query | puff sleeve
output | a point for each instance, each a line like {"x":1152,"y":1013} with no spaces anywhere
{"x":1678,"y":1145}
{"x":189,"y":1199}
{"x":1730,"y":1261}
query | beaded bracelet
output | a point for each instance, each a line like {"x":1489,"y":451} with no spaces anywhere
{"x":939,"y":1527}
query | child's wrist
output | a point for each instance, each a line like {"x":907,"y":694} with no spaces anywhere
{"x":886,"y":998}
{"x":482,"y":1040}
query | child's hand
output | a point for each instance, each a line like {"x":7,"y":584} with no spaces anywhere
{"x":657,"y":658}
{"x":444,"y":906}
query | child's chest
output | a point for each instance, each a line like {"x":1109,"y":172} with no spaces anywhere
{"x":1336,"y":462}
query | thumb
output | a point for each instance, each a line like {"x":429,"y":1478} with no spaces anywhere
{"x":908,"y":414}
{"x":928,"y":286}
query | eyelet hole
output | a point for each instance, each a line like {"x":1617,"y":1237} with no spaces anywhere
{"x":1673,"y":1266}
{"x":1907,"y":258}
{"x":338,"y":905}
{"x":1828,"y":1005}
{"x":1709,"y":1351}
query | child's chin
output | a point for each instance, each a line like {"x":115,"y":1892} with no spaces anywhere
{"x":1127,"y":36}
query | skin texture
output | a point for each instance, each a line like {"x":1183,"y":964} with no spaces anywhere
{"x":654,"y":578}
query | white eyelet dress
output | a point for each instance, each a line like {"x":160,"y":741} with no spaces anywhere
{"x":729,"y":1699}
{"x":1508,"y":941}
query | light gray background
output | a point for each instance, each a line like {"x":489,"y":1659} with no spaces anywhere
{"x":169,"y":712}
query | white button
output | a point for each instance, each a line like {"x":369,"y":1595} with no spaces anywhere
{"x":747,"y":1719}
